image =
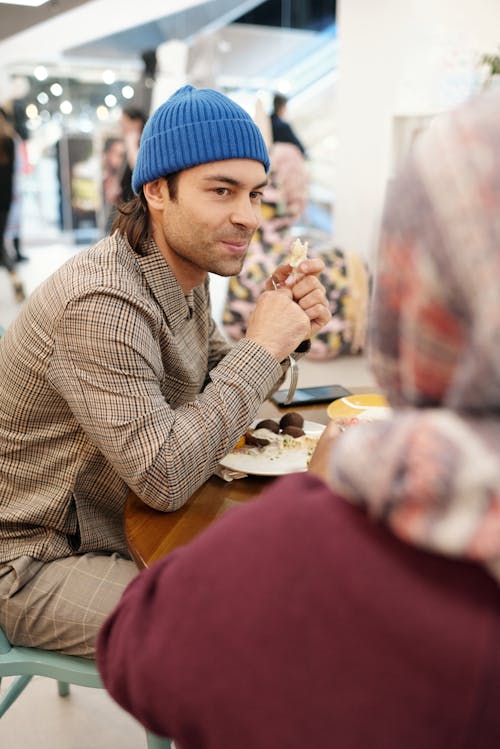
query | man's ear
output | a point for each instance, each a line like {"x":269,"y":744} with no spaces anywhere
{"x":156,"y":193}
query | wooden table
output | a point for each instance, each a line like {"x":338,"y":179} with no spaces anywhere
{"x":151,"y":534}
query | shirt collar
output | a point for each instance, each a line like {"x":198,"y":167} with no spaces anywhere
{"x":177,"y":306}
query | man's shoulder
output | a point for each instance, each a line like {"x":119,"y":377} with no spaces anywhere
{"x":111,"y":261}
{"x":108,"y":266}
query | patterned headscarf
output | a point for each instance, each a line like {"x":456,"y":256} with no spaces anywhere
{"x":432,"y":471}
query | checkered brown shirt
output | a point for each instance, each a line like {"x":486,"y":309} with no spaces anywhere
{"x":111,"y":378}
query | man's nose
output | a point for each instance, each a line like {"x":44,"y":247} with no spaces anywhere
{"x":246,"y":214}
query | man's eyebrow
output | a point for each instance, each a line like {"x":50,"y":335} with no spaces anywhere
{"x":232,"y":181}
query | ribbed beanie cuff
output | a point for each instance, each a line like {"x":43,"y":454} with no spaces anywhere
{"x":196,"y":126}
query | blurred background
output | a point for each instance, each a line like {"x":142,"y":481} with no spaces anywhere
{"x":361,"y":80}
{"x":69,"y":68}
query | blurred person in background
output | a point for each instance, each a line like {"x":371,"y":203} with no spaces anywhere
{"x":113,"y":154}
{"x":358,"y":604}
{"x":345,"y":276}
{"x":116,"y":377}
{"x":13,"y":232}
{"x":282,"y":131}
{"x":8,"y":138}
{"x":132,"y":124}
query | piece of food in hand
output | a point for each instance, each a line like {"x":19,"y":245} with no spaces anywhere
{"x":298,"y":253}
{"x":270,"y":424}
{"x":291,"y":419}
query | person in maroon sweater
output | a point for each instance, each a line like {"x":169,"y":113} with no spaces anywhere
{"x":357,"y":605}
{"x":294,"y":623}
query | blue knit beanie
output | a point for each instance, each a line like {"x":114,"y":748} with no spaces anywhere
{"x":195,"y":126}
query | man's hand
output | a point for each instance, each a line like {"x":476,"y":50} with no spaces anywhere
{"x":307,"y":290}
{"x":278,"y":323}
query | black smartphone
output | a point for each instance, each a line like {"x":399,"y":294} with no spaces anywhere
{"x":310,"y":396}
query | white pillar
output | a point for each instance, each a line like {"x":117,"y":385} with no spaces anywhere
{"x":171,"y":60}
{"x":400,"y":62}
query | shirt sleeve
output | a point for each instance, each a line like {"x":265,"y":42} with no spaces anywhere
{"x":219,"y":346}
{"x":108,"y":367}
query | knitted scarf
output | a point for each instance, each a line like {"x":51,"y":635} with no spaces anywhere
{"x":432,"y":471}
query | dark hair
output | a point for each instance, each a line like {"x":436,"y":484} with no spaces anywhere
{"x":279,"y":102}
{"x":134,"y":113}
{"x":132,"y":220}
{"x":110,"y":142}
{"x":172,"y":184}
{"x":132,"y":217}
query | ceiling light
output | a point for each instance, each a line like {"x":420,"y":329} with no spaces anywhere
{"x":284,"y":86}
{"x":109,"y":76}
{"x":40,"y":73}
{"x":31,"y":3}
{"x":102,"y":112}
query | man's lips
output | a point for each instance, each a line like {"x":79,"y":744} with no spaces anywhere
{"x":236,"y":246}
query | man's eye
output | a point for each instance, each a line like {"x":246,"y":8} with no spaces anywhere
{"x":221,"y":191}
{"x":256,"y":196}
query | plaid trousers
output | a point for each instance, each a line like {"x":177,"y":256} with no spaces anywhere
{"x":61,"y":605}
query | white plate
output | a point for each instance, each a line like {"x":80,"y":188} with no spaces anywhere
{"x":257,"y":464}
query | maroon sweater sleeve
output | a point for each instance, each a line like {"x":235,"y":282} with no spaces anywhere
{"x":294,"y":619}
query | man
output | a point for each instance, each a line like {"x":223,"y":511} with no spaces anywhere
{"x":281,"y":129}
{"x":114,"y":376}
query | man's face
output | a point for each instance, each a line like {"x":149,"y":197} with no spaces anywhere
{"x":115,"y":155}
{"x":209,"y":224}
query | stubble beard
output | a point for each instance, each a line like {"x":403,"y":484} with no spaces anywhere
{"x":221,"y":268}
{"x":222,"y":265}
{"x":205,"y":256}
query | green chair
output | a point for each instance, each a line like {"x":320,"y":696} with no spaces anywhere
{"x":66,"y":669}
